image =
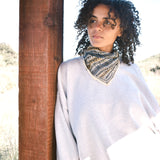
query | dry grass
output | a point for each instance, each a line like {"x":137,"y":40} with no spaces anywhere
{"x":151,"y":72}
{"x":9,"y":113}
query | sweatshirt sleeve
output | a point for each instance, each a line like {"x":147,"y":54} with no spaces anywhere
{"x":149,"y":102}
{"x":147,"y":94}
{"x":66,"y":144}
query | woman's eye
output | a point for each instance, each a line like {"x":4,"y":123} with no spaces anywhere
{"x":92,"y":21}
{"x":106,"y":22}
{"x":109,"y":23}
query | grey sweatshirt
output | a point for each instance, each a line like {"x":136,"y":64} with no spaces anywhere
{"x":90,"y":117}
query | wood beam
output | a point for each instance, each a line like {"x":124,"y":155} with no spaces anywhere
{"x":40,"y":53}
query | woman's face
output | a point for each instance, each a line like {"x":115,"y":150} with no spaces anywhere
{"x":103,"y":28}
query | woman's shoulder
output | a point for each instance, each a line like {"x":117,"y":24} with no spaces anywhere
{"x":71,"y":64}
{"x":133,"y":71}
{"x":130,"y":68}
{"x":72,"y":61}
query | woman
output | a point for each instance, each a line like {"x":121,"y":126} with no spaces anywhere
{"x":102,"y":98}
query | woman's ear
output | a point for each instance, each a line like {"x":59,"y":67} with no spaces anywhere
{"x":120,"y":32}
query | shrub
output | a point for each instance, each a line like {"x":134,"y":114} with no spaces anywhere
{"x":7,"y":55}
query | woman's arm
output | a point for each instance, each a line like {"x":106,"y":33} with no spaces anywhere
{"x":66,"y":144}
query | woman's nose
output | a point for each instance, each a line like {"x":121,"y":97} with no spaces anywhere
{"x":99,"y":26}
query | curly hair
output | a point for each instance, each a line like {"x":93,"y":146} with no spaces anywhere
{"x":129,"y":24}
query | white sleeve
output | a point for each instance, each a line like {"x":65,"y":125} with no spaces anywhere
{"x":148,"y":97}
{"x":149,"y":102}
{"x":66,"y":144}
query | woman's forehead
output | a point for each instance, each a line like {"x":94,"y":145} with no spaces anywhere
{"x":104,"y":10}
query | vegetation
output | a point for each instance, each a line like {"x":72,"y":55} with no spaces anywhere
{"x":8,"y":103}
{"x":150,"y":68}
{"x":8,"y":57}
{"x":8,"y":68}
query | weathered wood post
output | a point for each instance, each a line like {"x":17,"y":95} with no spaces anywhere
{"x":40,"y":53}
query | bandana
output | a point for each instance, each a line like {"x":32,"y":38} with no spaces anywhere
{"x":100,"y":64}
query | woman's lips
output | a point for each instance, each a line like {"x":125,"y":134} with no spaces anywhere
{"x":97,"y":37}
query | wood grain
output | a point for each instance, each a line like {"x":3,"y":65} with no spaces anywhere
{"x":40,"y":53}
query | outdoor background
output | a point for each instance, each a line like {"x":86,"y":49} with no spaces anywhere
{"x":147,"y":57}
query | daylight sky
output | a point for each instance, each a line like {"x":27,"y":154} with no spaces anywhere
{"x":9,"y":21}
{"x":149,"y":13}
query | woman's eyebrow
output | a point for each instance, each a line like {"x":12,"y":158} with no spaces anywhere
{"x":103,"y":17}
{"x":108,"y":18}
{"x":93,"y":16}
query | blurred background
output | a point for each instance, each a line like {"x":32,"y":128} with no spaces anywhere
{"x":147,"y":57}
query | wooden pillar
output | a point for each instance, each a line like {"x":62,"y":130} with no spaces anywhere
{"x":40,"y":53}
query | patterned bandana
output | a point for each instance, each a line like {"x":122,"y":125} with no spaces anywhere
{"x":101,"y":65}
